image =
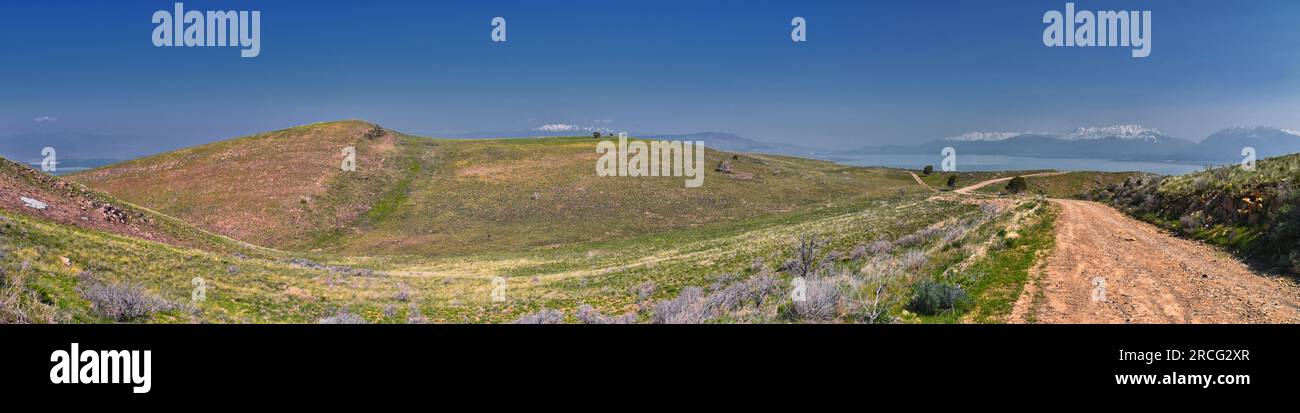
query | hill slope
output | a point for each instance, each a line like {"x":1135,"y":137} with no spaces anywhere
{"x":266,"y":189}
{"x":411,"y":195}
{"x":25,"y":191}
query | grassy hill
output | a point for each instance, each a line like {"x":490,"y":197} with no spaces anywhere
{"x":428,"y":230}
{"x":420,"y":196}
{"x":273,"y":189}
{"x":75,"y":205}
{"x":1255,"y":214}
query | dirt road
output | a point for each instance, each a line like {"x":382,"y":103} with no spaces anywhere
{"x":968,"y":189}
{"x":1109,"y":268}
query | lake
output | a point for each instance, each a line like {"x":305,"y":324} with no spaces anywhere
{"x":1018,"y":163}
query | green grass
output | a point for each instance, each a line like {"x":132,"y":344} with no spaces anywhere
{"x":1067,"y":185}
{"x":995,"y":279}
{"x":445,"y":290}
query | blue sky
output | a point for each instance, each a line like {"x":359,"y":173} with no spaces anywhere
{"x":871,"y":72}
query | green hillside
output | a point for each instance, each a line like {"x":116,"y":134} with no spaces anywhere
{"x":411,"y":195}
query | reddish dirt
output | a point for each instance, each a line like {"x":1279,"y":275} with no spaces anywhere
{"x":70,"y":204}
{"x":1109,"y":268}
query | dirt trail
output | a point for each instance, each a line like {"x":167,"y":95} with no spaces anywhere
{"x":919,"y":181}
{"x":968,"y":189}
{"x":1109,"y":268}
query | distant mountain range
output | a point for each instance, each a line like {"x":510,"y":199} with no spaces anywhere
{"x":731,"y":142}
{"x":1120,"y":142}
{"x":714,"y":140}
{"x":82,"y":150}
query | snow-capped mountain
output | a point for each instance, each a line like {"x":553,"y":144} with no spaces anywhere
{"x":1124,"y":132}
{"x":1120,"y":142}
{"x":983,"y":136}
{"x":1111,"y":142}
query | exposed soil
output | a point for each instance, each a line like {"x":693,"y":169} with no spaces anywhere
{"x":1109,"y":268}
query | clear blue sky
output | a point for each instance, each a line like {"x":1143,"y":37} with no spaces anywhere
{"x":871,"y":71}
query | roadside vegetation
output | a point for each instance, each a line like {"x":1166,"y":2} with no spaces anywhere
{"x":1254,"y":214}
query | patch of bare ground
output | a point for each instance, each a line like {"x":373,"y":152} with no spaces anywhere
{"x":1109,"y":268}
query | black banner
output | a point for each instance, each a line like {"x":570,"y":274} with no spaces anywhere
{"x":364,"y":361}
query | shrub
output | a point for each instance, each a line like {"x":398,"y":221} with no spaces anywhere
{"x":881,"y":247}
{"x":871,"y":299}
{"x":645,"y":291}
{"x":1193,"y":221}
{"x":545,"y":316}
{"x":588,"y":315}
{"x":413,"y":315}
{"x":805,"y":262}
{"x":913,"y":260}
{"x":123,"y":301}
{"x":917,"y":238}
{"x":930,"y":297}
{"x":342,"y":317}
{"x":403,"y":293}
{"x":687,"y":308}
{"x":929,"y":169}
{"x":821,"y":301}
{"x":1017,"y":185}
{"x":858,"y":252}
{"x":952,"y":181}
{"x":20,"y":305}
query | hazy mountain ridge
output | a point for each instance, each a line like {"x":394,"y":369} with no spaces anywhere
{"x":1119,"y":142}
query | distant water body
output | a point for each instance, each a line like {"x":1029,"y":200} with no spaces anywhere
{"x":1019,"y":163}
{"x":74,"y":166}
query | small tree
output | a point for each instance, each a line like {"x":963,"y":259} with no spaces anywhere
{"x":595,"y":135}
{"x":929,"y":169}
{"x":952,"y":181}
{"x":1017,"y":185}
